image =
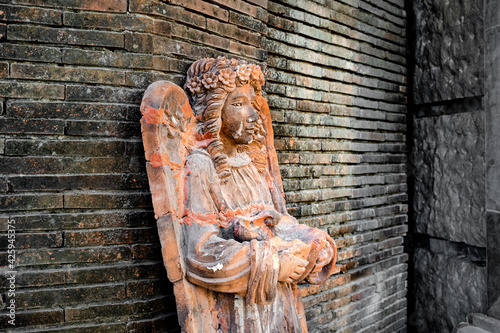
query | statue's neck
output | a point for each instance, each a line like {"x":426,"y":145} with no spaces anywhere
{"x":230,"y":148}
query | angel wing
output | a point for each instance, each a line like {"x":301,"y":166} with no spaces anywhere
{"x":168,"y":132}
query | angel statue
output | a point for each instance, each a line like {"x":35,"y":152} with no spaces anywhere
{"x":230,"y":248}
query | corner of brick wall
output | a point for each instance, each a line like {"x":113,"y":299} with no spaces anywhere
{"x":72,"y":171}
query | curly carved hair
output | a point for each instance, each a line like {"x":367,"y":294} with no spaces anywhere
{"x":208,"y":83}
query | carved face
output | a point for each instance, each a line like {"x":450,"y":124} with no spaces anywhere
{"x":239,"y":116}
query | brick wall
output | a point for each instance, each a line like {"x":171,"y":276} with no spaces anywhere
{"x":337,"y":88}
{"x":72,"y":172}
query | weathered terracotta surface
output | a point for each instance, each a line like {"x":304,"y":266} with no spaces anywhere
{"x":233,"y":253}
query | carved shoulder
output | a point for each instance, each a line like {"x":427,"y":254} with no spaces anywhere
{"x":200,"y":162}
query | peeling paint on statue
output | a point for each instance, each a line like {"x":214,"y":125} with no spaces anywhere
{"x":234,"y":254}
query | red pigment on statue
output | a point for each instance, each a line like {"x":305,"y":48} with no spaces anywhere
{"x":223,"y":217}
{"x":154,"y":116}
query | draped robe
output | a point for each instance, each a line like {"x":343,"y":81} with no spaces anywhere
{"x":242,"y":276}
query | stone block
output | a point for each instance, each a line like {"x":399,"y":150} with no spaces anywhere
{"x":492,"y":106}
{"x":447,"y":289}
{"x":493,"y":254}
{"x":494,"y":311}
{"x":484,"y":322}
{"x":449,"y":50}
{"x":448,"y":167}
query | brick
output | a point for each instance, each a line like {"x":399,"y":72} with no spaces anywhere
{"x":116,"y":309}
{"x":248,"y":51}
{"x":34,"y":240}
{"x":11,"y":202}
{"x":44,"y":278}
{"x":71,"y":256}
{"x":196,"y":35}
{"x":4,"y":185}
{"x":46,"y":298}
{"x":107,"y":200}
{"x":30,"y":165}
{"x":30,"y":15}
{"x":109,"y":237}
{"x":85,"y":328}
{"x":134,"y":148}
{"x":37,"y":317}
{"x":147,"y":288}
{"x":117,"y":22}
{"x":189,"y":50}
{"x":204,"y":8}
{"x":31,"y":126}
{"x":241,"y":6}
{"x":70,"y":221}
{"x":139,"y":79}
{"x":135,"y":42}
{"x":234,"y":32}
{"x":63,"y":148}
{"x":65,"y":36}
{"x":65,"y":110}
{"x":67,"y":74}
{"x":146,"y":251}
{"x":262,"y":3}
{"x":168,"y":11}
{"x":247,"y":22}
{"x":104,"y":94}
{"x":31,"y":90}
{"x":104,"y":165}
{"x":29,"y":52}
{"x":114,"y":273}
{"x":73,"y":182}
{"x":154,"y":324}
{"x":114,"y":129}
{"x":102,"y":5}
{"x":108,"y":59}
{"x":4,"y":69}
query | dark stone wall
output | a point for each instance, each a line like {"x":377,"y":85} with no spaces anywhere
{"x":448,"y":164}
{"x":72,"y":169}
{"x":492,"y":107}
{"x":448,"y":51}
{"x":449,"y":176}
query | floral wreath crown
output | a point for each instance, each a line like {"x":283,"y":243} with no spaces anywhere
{"x":222,"y":73}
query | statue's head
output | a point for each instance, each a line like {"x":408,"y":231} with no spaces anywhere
{"x":224,"y":97}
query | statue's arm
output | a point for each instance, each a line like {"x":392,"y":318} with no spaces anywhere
{"x":323,"y":253}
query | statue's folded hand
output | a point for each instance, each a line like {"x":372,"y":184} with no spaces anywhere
{"x":292,"y":258}
{"x":246,"y":228}
{"x":324,"y":258}
{"x":268,"y":217}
